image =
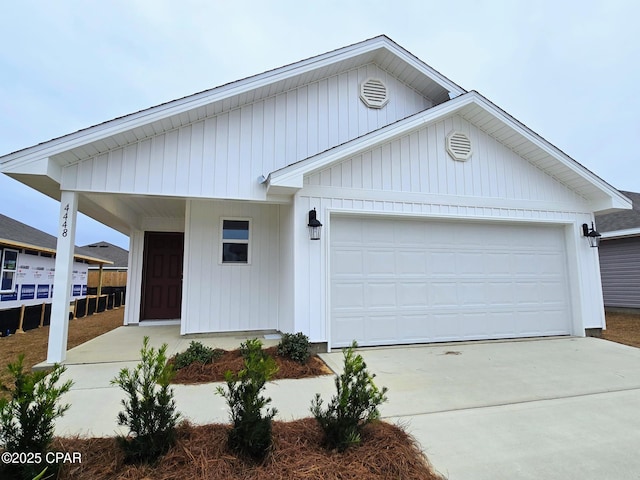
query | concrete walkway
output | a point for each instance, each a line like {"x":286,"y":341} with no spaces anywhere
{"x":564,"y":408}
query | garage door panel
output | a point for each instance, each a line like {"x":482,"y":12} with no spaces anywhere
{"x":427,"y":281}
{"x":350,"y":327}
{"x":348,"y":296}
{"x":473,"y":325}
{"x":442,"y":263}
{"x":470,"y":263}
{"x":346,"y":261}
{"x":498,"y":264}
{"x":501,"y":291}
{"x":444,"y":326}
{"x":381,"y":294}
{"x":380,"y":329}
{"x":413,"y":294}
{"x":548,"y":263}
{"x":411,"y":262}
{"x":473,"y":293}
{"x":379,"y":261}
{"x":552,"y":292}
{"x":444,"y":294}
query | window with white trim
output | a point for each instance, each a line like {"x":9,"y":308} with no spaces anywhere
{"x":235,"y":241}
{"x":8,"y":270}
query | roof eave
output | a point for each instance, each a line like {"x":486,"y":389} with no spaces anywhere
{"x":603,"y":198}
{"x":28,"y":246}
{"x":175,"y":107}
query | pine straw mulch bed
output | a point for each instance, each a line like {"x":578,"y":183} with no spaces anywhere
{"x":387,"y":452}
{"x":623,"y":328}
{"x":232,"y":360}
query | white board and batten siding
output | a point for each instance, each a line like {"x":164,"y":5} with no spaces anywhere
{"x":230,"y":297}
{"x":418,"y":163}
{"x":223,"y":155}
{"x":413,"y":178}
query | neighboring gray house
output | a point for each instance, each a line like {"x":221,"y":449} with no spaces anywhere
{"x":620,"y":255}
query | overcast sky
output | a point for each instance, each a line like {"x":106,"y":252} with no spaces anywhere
{"x":569,"y":70}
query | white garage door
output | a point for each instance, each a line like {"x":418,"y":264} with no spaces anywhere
{"x":403,"y":281}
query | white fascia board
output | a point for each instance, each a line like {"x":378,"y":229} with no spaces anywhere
{"x":611,"y":199}
{"x":293,"y":174}
{"x":41,"y":167}
{"x":175,"y":107}
{"x":454,"y":90}
{"x":566,"y":160}
{"x":611,"y":204}
{"x":629,"y":232}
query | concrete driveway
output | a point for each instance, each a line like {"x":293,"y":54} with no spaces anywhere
{"x":565,"y":408}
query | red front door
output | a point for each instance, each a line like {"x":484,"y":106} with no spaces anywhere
{"x":162,"y":275}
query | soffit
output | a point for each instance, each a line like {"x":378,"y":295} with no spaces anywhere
{"x":147,"y":123}
{"x":479,"y":111}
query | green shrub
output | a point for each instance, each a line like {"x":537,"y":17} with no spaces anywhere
{"x":27,"y":418}
{"x":197,"y":352}
{"x":295,"y":346}
{"x":252,"y":347}
{"x":250,"y":434}
{"x":355,"y":404}
{"x":150,"y":410}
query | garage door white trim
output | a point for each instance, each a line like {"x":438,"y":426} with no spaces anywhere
{"x":395,"y":280}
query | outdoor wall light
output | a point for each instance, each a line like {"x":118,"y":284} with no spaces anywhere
{"x":314,"y":226}
{"x":593,"y":236}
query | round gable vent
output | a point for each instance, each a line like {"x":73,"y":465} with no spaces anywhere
{"x":459,"y":146}
{"x":373,"y":93}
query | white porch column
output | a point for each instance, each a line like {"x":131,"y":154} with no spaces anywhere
{"x":59,"y":328}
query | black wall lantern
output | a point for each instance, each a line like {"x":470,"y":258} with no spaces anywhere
{"x":314,"y":226}
{"x":592,"y":234}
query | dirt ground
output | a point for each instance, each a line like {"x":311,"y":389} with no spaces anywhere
{"x":33,"y":343}
{"x":623,"y":328}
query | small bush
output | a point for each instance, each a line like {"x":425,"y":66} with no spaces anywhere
{"x":295,"y":346}
{"x":251,"y":431}
{"x":27,"y":418}
{"x":252,"y":347}
{"x":355,"y":404}
{"x":196,"y":352}
{"x":150,"y":410}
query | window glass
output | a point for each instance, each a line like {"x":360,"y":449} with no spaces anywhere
{"x":235,"y":241}
{"x":235,"y":230}
{"x":235,"y":252}
{"x":8,"y":270}
{"x":9,"y":260}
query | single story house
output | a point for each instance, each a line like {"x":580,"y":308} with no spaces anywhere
{"x":620,"y":255}
{"x":442,"y":217}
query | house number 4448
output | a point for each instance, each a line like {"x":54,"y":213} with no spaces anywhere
{"x":65,"y":217}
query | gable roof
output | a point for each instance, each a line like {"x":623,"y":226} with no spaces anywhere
{"x":22,"y":236}
{"x":625,"y":223}
{"x":134,"y":127}
{"x":41,"y":166}
{"x":118,"y":256}
{"x":488,"y":117}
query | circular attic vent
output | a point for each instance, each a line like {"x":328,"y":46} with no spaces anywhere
{"x":373,"y":93}
{"x":459,"y":146}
